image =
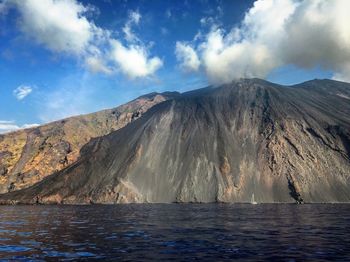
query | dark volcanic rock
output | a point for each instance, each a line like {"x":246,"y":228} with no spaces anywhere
{"x":282,"y":144}
{"x":3,"y":171}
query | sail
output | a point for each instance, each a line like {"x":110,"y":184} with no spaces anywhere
{"x":253,"y":200}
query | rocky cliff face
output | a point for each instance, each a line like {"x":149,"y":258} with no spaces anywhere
{"x":282,"y":144}
{"x":28,"y":156}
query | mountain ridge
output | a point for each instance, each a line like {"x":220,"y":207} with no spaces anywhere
{"x":29,"y":155}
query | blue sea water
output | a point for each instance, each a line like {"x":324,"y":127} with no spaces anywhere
{"x":185,"y":232}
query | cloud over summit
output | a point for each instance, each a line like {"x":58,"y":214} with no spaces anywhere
{"x":274,"y":33}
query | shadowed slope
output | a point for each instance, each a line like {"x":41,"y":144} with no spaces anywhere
{"x":282,"y":144}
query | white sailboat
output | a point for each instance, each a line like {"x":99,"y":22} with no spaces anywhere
{"x":253,"y":202}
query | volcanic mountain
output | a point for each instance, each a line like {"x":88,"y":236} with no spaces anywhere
{"x":216,"y":144}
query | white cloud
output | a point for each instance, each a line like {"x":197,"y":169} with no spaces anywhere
{"x":8,"y":126}
{"x":188,"y":56}
{"x":134,"y":60}
{"x":279,"y":32}
{"x":134,"y":19}
{"x":22,"y":91}
{"x":319,"y":34}
{"x":30,"y":125}
{"x":63,"y":26}
{"x":246,"y":51}
{"x":343,"y":74}
{"x":59,"y":25}
{"x":97,"y":65}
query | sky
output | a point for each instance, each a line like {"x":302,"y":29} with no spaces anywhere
{"x":60,"y":58}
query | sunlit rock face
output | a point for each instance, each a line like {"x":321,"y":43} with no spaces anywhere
{"x":28,"y":156}
{"x":223,"y":144}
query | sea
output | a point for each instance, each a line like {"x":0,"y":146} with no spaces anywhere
{"x":176,"y":232}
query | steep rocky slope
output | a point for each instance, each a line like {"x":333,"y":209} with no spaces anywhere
{"x":27,"y":156}
{"x":282,"y":144}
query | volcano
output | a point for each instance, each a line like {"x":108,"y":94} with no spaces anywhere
{"x":228,"y":143}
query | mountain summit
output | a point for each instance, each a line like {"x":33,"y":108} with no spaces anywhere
{"x":223,"y":144}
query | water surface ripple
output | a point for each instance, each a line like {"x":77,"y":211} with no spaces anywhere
{"x":176,"y":232}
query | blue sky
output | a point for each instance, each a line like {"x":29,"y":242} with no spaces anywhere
{"x":66,"y":57}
